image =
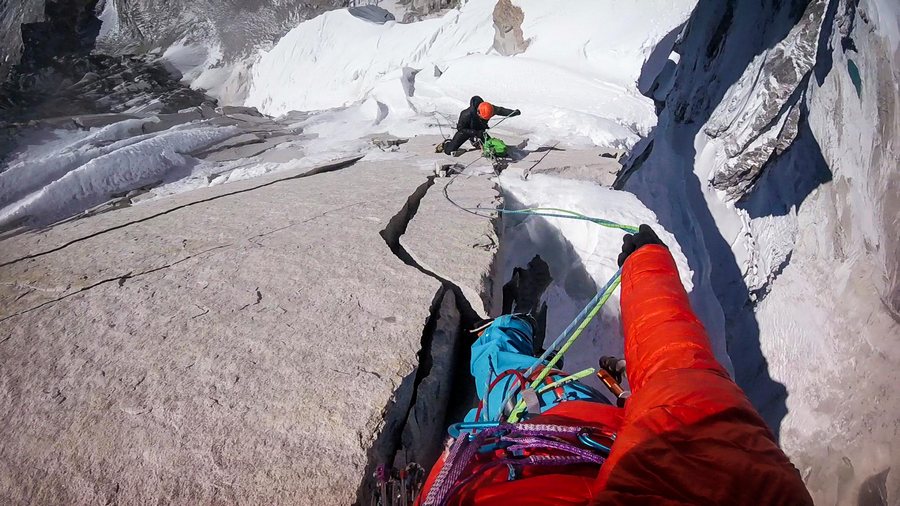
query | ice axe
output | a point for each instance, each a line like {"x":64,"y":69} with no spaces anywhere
{"x":504,"y":119}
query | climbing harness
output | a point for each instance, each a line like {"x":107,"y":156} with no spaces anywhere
{"x":517,"y":446}
{"x":526,"y":391}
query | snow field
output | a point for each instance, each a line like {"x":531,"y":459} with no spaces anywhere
{"x":577,"y":80}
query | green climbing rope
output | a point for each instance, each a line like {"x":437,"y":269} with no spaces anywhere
{"x":583,"y":319}
{"x":552,"y":212}
{"x":606,"y":294}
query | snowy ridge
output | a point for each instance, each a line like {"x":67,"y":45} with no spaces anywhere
{"x":85,"y":175}
{"x":32,"y":173}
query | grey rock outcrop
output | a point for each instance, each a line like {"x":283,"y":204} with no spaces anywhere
{"x":81,"y":85}
{"x":420,"y":9}
{"x":508,"y":37}
{"x":372,"y":13}
{"x":426,"y":422}
{"x":39,"y":30}
{"x":759,"y":129}
{"x":464,"y":252}
{"x":236,"y":27}
{"x":854,"y":114}
{"x":598,"y":165}
{"x":12,"y":16}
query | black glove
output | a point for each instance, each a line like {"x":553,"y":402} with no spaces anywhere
{"x":515,"y":113}
{"x":633,"y":242}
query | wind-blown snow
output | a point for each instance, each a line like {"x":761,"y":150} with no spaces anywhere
{"x":318,"y":65}
{"x":192,"y":60}
{"x":606,"y":39}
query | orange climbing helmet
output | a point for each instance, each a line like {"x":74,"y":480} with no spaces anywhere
{"x":485,"y":110}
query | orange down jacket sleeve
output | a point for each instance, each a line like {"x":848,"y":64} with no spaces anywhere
{"x":688,"y":435}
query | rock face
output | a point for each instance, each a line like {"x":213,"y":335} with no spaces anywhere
{"x":850,"y":225}
{"x":80,"y":85}
{"x":236,"y":28}
{"x":43,"y":29}
{"x":598,"y":165}
{"x":45,"y":34}
{"x":755,"y":133}
{"x":256,"y":342}
{"x":372,"y":13}
{"x":425,"y":430}
{"x":58,"y":76}
{"x":864,"y":102}
{"x":508,"y":37}
{"x":421,"y":9}
{"x":776,"y":152}
{"x":463,"y":253}
{"x":12,"y":15}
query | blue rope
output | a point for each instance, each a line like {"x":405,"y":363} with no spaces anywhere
{"x":578,"y":319}
{"x":601,"y":294}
